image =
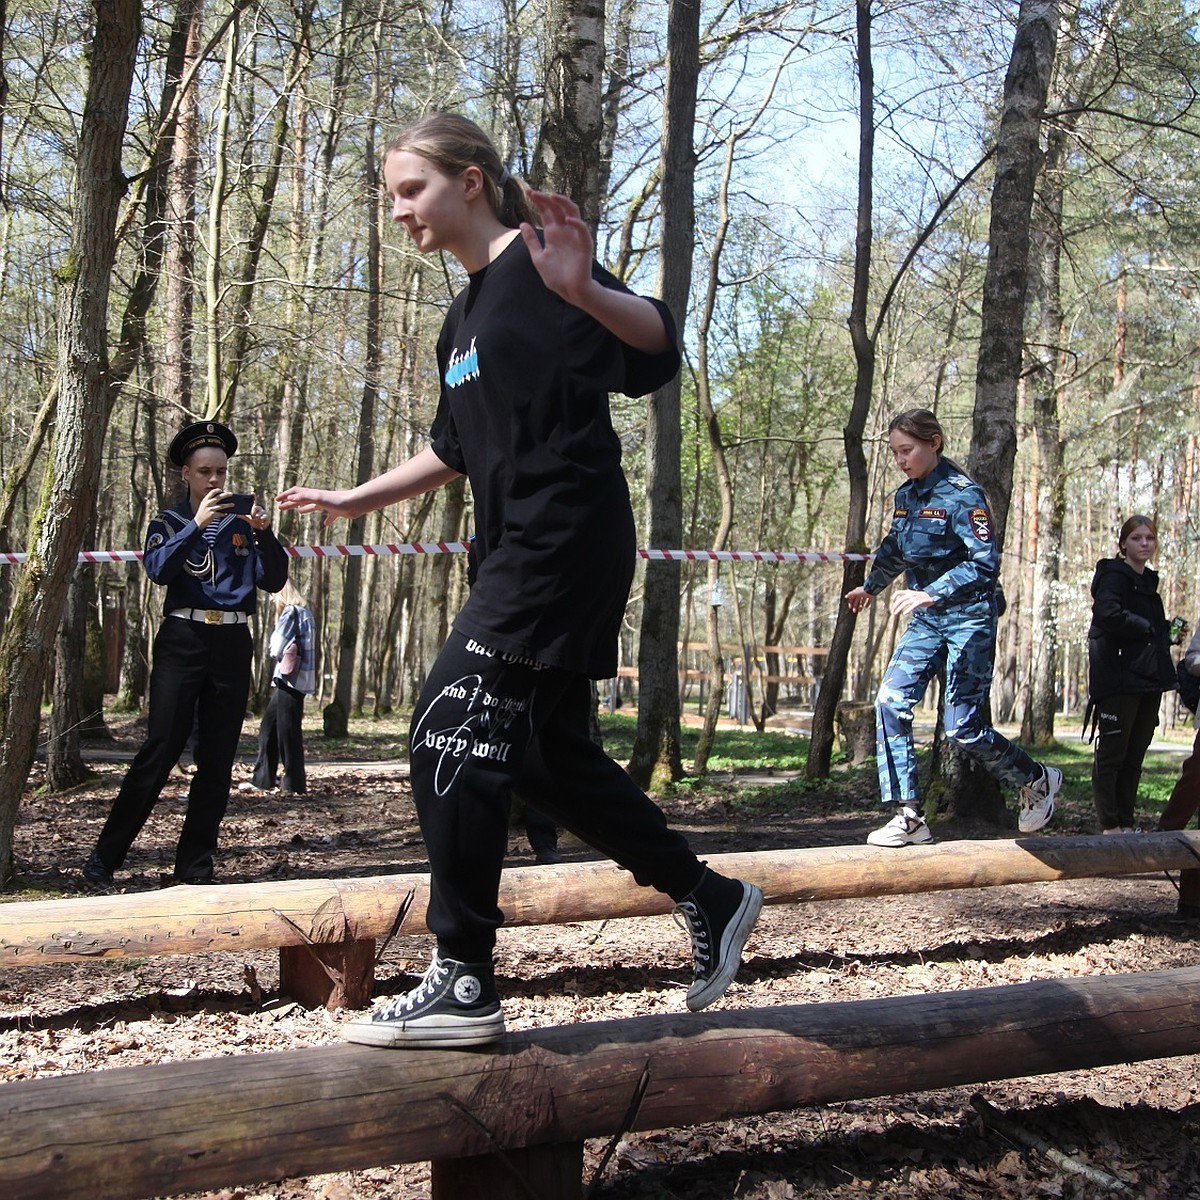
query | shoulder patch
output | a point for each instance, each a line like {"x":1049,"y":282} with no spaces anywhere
{"x":960,"y":481}
{"x":155,"y":540}
{"x":981,"y":524}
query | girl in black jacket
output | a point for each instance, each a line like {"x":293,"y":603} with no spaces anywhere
{"x":1130,"y":667}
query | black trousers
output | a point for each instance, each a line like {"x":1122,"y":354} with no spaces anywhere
{"x":281,"y":739}
{"x":485,"y":724}
{"x":1124,"y":729}
{"x":202,"y":672}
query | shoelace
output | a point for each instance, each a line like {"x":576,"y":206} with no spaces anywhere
{"x":697,"y":930}
{"x":1030,"y":796}
{"x":433,"y":977}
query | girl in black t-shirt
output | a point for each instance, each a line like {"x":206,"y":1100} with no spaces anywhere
{"x":528,"y":353}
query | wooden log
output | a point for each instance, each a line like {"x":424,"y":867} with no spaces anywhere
{"x":202,"y":1124}
{"x":189,"y":920}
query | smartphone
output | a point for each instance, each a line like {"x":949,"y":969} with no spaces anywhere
{"x":242,"y":502}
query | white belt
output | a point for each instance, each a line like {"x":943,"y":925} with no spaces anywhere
{"x":210,"y":616}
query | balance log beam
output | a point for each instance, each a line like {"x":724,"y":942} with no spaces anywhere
{"x":324,"y":917}
{"x":204,"y":1124}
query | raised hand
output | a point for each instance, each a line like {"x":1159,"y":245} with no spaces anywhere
{"x":565,"y":260}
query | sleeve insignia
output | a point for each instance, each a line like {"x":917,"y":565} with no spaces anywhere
{"x":959,"y":481}
{"x":981,"y":524}
{"x":155,"y":540}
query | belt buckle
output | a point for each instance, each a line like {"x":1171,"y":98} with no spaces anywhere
{"x":214,"y":616}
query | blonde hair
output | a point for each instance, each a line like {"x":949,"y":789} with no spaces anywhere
{"x":290,"y":596}
{"x":454,"y":143}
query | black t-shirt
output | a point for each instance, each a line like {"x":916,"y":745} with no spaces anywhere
{"x":524,"y":415}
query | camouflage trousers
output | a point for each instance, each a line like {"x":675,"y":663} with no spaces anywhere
{"x":961,"y":638}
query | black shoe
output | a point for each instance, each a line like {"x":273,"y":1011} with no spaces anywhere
{"x":546,"y":855}
{"x":720,"y":914}
{"x":96,"y":873}
{"x":455,"y":1004}
{"x":198,"y":879}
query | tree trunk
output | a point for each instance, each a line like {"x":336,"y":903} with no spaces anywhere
{"x":973,"y":791}
{"x":567,"y":157}
{"x":656,"y":754}
{"x":1001,"y":337}
{"x":181,"y":219}
{"x":833,"y":678}
{"x":337,"y":714}
{"x":64,"y":517}
{"x":1037,"y":725}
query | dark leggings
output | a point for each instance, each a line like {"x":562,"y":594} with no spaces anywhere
{"x":486,"y":723}
{"x":281,"y":740}
{"x":1124,"y":728}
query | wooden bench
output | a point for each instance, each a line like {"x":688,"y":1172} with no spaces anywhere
{"x":736,"y":659}
{"x":327,"y":930}
{"x":509,"y":1120}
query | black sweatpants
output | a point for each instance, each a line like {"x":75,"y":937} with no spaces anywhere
{"x":281,"y":740}
{"x":200,"y":672}
{"x":485,"y":724}
{"x":1124,"y":729}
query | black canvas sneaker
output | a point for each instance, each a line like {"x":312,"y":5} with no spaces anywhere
{"x":96,"y":873}
{"x":720,"y":914}
{"x":455,"y":1004}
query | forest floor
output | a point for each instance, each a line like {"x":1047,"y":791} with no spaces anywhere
{"x":1139,"y":1123}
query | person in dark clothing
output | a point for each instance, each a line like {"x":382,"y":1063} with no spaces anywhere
{"x":294,"y":676}
{"x":1129,"y":668}
{"x":528,"y":353}
{"x":212,"y":562}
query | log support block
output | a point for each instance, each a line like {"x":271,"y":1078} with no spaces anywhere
{"x":331,"y":975}
{"x":554,"y":1170}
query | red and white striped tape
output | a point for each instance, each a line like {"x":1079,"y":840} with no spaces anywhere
{"x":772,"y":556}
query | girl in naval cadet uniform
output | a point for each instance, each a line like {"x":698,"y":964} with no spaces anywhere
{"x":212,"y":561}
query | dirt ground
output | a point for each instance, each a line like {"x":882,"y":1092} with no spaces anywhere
{"x":1138,"y":1124}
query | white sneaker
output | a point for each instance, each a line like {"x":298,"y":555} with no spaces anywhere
{"x":906,"y":828}
{"x":1037,"y":800}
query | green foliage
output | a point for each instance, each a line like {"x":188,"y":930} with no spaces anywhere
{"x":735,"y":750}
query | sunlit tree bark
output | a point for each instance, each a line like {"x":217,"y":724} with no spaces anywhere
{"x":69,"y":497}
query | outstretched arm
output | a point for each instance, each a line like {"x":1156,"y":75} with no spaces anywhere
{"x":564,"y":262}
{"x":421,"y":473}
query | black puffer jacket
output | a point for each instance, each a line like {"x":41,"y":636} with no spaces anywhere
{"x":1129,"y":640}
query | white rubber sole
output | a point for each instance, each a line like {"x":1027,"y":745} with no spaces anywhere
{"x":425,"y":1033}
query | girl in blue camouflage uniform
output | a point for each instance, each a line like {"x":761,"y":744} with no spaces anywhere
{"x":942,"y":539}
